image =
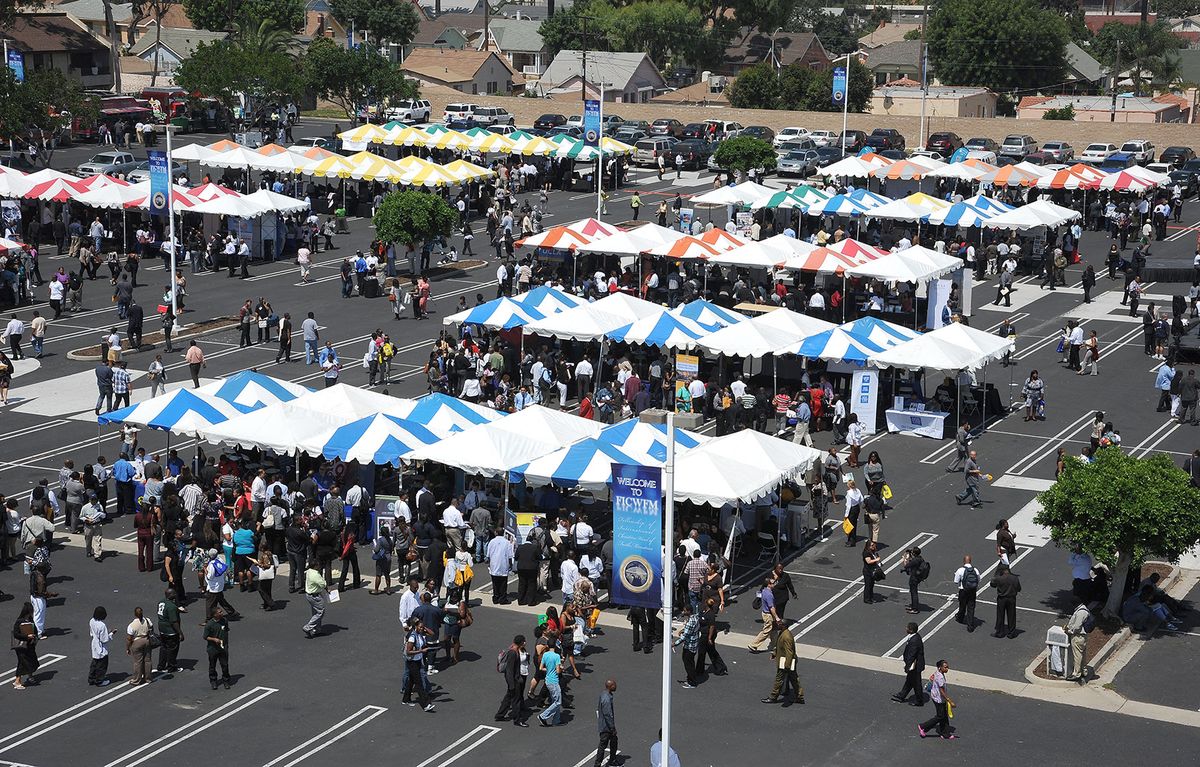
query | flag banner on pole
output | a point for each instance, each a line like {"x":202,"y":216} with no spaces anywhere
{"x":16,"y":62}
{"x":591,"y":122}
{"x":637,"y":535}
{"x":839,"y":86}
{"x":160,"y":182}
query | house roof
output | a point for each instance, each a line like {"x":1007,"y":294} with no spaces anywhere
{"x":448,"y":6}
{"x":93,"y":10}
{"x":618,"y":70}
{"x":1081,"y":62}
{"x":904,"y":53}
{"x":182,"y":42}
{"x":1104,"y":103}
{"x":696,"y":93}
{"x":517,"y":35}
{"x":51,"y":32}
{"x":452,"y":66}
{"x":432,"y":31}
{"x":1189,"y":65}
{"x":933,"y":91}
{"x":755,"y":48}
{"x":887,"y":32}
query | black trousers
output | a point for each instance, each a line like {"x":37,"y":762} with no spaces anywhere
{"x":643,"y":637}
{"x":1073,"y":357}
{"x":215,"y":657}
{"x":244,"y":340}
{"x":499,"y":589}
{"x":98,"y":670}
{"x":689,"y":667}
{"x":966,"y":607}
{"x":1006,"y":615}
{"x":912,"y":683}
{"x":170,"y":651}
{"x":512,"y":705}
{"x":607,"y":740}
{"x":527,"y":593}
{"x":707,"y":651}
{"x":297,"y":562}
{"x":868,"y":587}
{"x":940,"y":720}
{"x":350,"y":563}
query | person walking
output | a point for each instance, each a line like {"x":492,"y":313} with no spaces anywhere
{"x":967,"y":580}
{"x":216,"y":637}
{"x":962,"y":439}
{"x":1034,"y":392}
{"x":786,"y":678}
{"x":550,"y":665}
{"x":170,"y":632}
{"x":941,"y":703}
{"x":500,"y":564}
{"x":871,"y":560}
{"x":607,"y":723}
{"x":137,"y":646}
{"x":707,"y":646}
{"x":917,"y":570}
{"x":1079,"y":625}
{"x":24,"y":645}
{"x":688,"y":635}
{"x":195,"y":360}
{"x":766,"y":600}
{"x":914,"y":666}
{"x":285,"y":339}
{"x":514,"y":664}
{"x":854,"y":503}
{"x":1091,"y":356}
{"x":415,"y":642}
{"x":101,"y":636}
{"x":312,"y":336}
{"x":973,"y":475}
{"x":1007,"y":586}
{"x":635,"y":202}
{"x":314,"y":592}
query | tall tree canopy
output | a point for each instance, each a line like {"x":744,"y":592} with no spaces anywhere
{"x":411,"y":217}
{"x":227,"y":70}
{"x":1147,"y":52}
{"x":39,"y":103}
{"x":220,"y":15}
{"x":353,"y":77}
{"x":797,"y":87}
{"x":393,"y":21}
{"x":1003,"y":45}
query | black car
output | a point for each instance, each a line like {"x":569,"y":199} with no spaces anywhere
{"x":695,"y":153}
{"x":944,"y":143}
{"x":893,"y":154}
{"x":694,"y":130}
{"x":1190,"y":170}
{"x":462,"y":125}
{"x":548,"y":121}
{"x":1176,"y":156}
{"x":983,"y":144}
{"x":759,"y":132}
{"x":1188,"y":182}
{"x":828,"y":155}
{"x":885,"y":138}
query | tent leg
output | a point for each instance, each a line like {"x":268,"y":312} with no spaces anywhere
{"x":983,"y":426}
{"x":774,"y":376}
{"x":843,"y":297}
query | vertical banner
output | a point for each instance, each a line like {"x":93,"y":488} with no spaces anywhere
{"x":937,"y":313}
{"x":687,"y":366}
{"x":839,"y":86}
{"x":160,"y":182}
{"x":637,"y":535}
{"x":16,"y":62}
{"x":864,"y":397}
{"x":591,"y":122}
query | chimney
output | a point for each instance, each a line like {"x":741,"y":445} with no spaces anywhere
{"x":320,"y":25}
{"x":549,"y":8}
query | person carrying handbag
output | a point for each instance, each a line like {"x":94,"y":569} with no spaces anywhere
{"x":382,"y":552}
{"x":349,"y":558}
{"x":140,"y":640}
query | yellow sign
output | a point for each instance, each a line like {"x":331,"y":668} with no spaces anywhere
{"x":687,"y":366}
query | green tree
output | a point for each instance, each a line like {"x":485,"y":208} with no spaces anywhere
{"x":756,"y":87}
{"x":664,"y":29}
{"x":393,"y":21}
{"x":1123,"y":507}
{"x":410,"y":217}
{"x":227,"y":71}
{"x":564,"y":30}
{"x":794,"y":83}
{"x":10,"y":8}
{"x":1177,"y":9}
{"x":998,"y":44}
{"x":220,"y":15}
{"x":41,"y":103}
{"x":818,"y":95}
{"x":742,"y":153}
{"x":1066,"y":113}
{"x":1146,"y":51}
{"x":353,"y":77}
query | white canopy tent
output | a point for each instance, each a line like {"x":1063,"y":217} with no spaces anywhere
{"x":745,"y":193}
{"x":742,"y":466}
{"x":752,"y":338}
{"x":793,"y":322}
{"x":950,"y":347}
{"x":633,"y":242}
{"x":593,"y":321}
{"x":1040,"y":212}
{"x":915,"y":264}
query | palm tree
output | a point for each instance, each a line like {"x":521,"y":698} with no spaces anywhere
{"x":263,"y":37}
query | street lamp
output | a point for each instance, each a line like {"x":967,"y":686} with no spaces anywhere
{"x":774,"y":55}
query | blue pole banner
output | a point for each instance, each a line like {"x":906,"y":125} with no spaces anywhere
{"x":160,"y":182}
{"x":16,"y":62}
{"x":591,"y":122}
{"x":839,"y":86}
{"x":637,"y":535}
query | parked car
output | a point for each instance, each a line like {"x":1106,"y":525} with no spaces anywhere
{"x":457,"y":111}
{"x":493,"y":116}
{"x":1098,"y":153}
{"x":1039,"y":158}
{"x":893,"y":154}
{"x":320,"y":142}
{"x":104,"y":162}
{"x":1018,"y":145}
{"x":1141,"y":150}
{"x":983,"y":155}
{"x":695,"y":152}
{"x":575,"y":120}
{"x":647,"y":150}
{"x":666,"y":126}
{"x":1188,"y":177}
{"x":574,"y":131}
{"x":410,"y":111}
{"x":828,"y":155}
{"x":885,"y":138}
{"x":695,"y":130}
{"x":1176,"y":156}
{"x":610,"y":123}
{"x":851,"y":141}
{"x":800,"y":163}
{"x":463,"y":125}
{"x":1117,"y":161}
{"x":944,"y":143}
{"x":503,"y":130}
{"x":141,"y":172}
{"x":1004,"y":160}
{"x":789,"y":134}
{"x":722,"y":129}
{"x":760,"y":132}
{"x":795,"y":145}
{"x":983,"y":144}
{"x":930,"y":153}
{"x":641,"y":125}
{"x":1061,"y":151}
{"x":630,"y":135}
{"x":824,"y":137}
{"x":549,"y":120}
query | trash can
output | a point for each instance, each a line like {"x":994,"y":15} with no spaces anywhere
{"x":1057,"y":643}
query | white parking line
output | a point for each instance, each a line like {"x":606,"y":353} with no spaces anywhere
{"x":1050,"y":444}
{"x":43,"y":660}
{"x":53,"y":722}
{"x":591,"y":759}
{"x":320,"y":738}
{"x":486,"y":733}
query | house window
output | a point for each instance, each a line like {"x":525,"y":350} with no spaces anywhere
{"x":474,"y":89}
{"x":492,"y":87}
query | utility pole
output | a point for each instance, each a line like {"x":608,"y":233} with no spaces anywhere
{"x":583,"y":58}
{"x":1116,"y":73}
{"x":924,"y":71}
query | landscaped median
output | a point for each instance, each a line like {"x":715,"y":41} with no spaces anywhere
{"x":152,"y":341}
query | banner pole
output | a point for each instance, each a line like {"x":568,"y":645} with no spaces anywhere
{"x":667,"y":586}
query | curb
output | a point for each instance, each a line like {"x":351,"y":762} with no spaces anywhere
{"x":78,"y":355}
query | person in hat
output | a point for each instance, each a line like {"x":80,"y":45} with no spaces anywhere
{"x":214,"y":585}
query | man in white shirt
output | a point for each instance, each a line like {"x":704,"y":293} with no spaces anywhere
{"x":409,"y":600}
{"x":904,"y":243}
{"x":738,"y":387}
{"x":690,"y":544}
{"x":453,"y":522}
{"x":500,"y":559}
{"x":258,"y":492}
{"x":214,"y":586}
{"x":535,"y":373}
{"x":582,"y":533}
{"x":569,"y":572}
{"x":698,"y":391}
{"x":1075,"y":339}
{"x":583,"y":377}
{"x":13,"y":332}
{"x":656,"y":756}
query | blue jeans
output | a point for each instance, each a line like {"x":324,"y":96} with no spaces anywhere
{"x":347,"y":288}
{"x":553,"y":712}
{"x":38,"y":342}
{"x":310,"y":351}
{"x":971,"y":492}
{"x":480,"y":547}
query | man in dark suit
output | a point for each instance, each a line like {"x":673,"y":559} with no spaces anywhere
{"x":135,"y":318}
{"x":1007,"y":586}
{"x":528,"y":560}
{"x":914,"y":664}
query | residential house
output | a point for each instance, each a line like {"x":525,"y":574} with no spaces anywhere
{"x":781,"y":50}
{"x":892,"y":61}
{"x":887,"y":32}
{"x":517,"y":40}
{"x":173,"y":46}
{"x":1083,"y":71}
{"x":1187,"y":28}
{"x":708,"y":92}
{"x":91,"y":13}
{"x":629,"y":78}
{"x":59,"y":41}
{"x":1189,"y":66}
{"x":434,"y":8}
{"x":473,"y":72}
{"x":450,"y":30}
{"x":940,"y":101}
{"x":1167,"y":108}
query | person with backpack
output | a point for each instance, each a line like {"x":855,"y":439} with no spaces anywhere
{"x":967,"y":580}
{"x":513,"y":663}
{"x":1078,"y":627}
{"x":918,"y":570}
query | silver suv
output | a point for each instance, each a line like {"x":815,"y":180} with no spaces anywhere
{"x":1018,"y":145}
{"x":104,"y":162}
{"x":492,"y":116}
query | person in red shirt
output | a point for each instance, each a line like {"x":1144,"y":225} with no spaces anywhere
{"x":817,"y":400}
{"x":585,"y":407}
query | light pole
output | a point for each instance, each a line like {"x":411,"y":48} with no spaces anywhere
{"x":774,"y":55}
{"x":924,"y":64}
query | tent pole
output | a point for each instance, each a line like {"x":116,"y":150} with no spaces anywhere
{"x":843,"y":296}
{"x":983,"y":375}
